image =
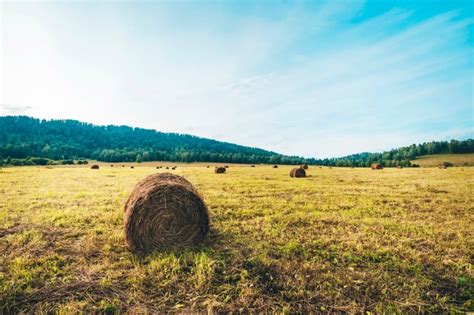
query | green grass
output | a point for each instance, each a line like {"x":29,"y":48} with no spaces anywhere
{"x":462,"y":159}
{"x":340,"y":240}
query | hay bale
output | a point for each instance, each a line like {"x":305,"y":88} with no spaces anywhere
{"x":227,"y":166}
{"x":275,"y":166}
{"x":111,"y":165}
{"x":219,"y":170}
{"x":95,"y":167}
{"x":207,"y":166}
{"x":304,"y":166}
{"x":164,"y":211}
{"x":167,"y":168}
{"x":132,"y":166}
{"x":447,"y":164}
{"x":252,"y":165}
{"x":173,"y":168}
{"x":298,"y":172}
{"x":376,"y":166}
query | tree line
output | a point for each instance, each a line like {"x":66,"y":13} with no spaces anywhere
{"x":30,"y":141}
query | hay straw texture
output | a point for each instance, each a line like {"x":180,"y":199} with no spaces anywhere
{"x":164,"y":211}
{"x":219,"y":170}
{"x":297,"y":172}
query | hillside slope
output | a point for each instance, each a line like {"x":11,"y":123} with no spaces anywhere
{"x":22,"y":136}
{"x":463,"y":159}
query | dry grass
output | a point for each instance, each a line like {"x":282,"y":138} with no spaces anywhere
{"x":340,"y":240}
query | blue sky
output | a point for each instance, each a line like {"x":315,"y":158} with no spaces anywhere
{"x":305,"y":78}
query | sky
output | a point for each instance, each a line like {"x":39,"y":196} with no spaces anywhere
{"x":314,"y":79}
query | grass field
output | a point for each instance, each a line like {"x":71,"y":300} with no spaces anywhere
{"x":436,"y":159}
{"x":340,"y":240}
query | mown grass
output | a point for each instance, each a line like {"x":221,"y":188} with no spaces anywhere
{"x":340,"y":240}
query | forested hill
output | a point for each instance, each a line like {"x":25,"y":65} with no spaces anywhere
{"x":22,"y":137}
{"x":25,"y":140}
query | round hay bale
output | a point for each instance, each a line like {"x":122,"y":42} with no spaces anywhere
{"x":297,"y":172}
{"x":275,"y":166}
{"x":219,"y":170}
{"x":167,"y":168}
{"x":132,"y":166}
{"x":252,"y":165}
{"x":376,"y":166}
{"x":164,"y":211}
{"x":173,"y":168}
{"x":111,"y":165}
{"x":207,"y":166}
{"x":447,"y":164}
{"x":227,"y":166}
{"x":95,"y":167}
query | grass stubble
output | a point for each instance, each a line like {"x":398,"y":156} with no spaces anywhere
{"x":340,"y":240}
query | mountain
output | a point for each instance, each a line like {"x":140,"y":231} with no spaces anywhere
{"x":22,"y":137}
{"x":27,"y":140}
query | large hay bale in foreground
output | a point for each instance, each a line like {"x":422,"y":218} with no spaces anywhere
{"x":219,"y":170}
{"x":164,"y":211}
{"x":297,"y":172}
{"x":95,"y":167}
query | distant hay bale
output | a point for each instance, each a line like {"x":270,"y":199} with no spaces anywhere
{"x":219,"y":170}
{"x":376,"y":166}
{"x":123,"y":165}
{"x":95,"y":167}
{"x":447,"y":164}
{"x":173,"y":168}
{"x":111,"y":165}
{"x":304,"y":166}
{"x":164,"y":211}
{"x":207,"y":166}
{"x":297,"y":172}
{"x":132,"y":166}
{"x":227,"y":166}
{"x":157,"y":167}
{"x":275,"y":166}
{"x":167,"y":168}
{"x":252,"y":165}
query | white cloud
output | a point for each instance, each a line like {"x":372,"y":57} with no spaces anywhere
{"x":307,"y":82}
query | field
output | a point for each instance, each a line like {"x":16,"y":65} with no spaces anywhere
{"x":340,"y":240}
{"x":436,"y":159}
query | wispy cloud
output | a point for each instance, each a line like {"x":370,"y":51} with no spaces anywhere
{"x":6,"y":109}
{"x":317,"y":79}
